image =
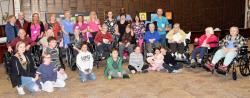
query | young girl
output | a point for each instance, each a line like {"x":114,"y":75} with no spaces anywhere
{"x":84,"y":61}
{"x":127,"y":42}
{"x":156,"y":61}
{"x":48,"y":75}
{"x":136,"y":63}
{"x":114,"y":68}
{"x":23,"y":70}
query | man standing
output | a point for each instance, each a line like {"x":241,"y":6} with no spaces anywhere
{"x":162,"y":24}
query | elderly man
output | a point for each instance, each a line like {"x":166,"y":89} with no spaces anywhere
{"x":21,"y":37}
{"x":152,"y":38}
{"x":21,"y":23}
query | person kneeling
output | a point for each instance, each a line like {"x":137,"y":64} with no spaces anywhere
{"x":114,"y":66}
{"x":49,"y":75}
{"x":136,"y":63}
{"x":84,"y":61}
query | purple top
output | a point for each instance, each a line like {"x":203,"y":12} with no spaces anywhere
{"x":138,"y":30}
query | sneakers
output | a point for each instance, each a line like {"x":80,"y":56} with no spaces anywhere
{"x":20,"y":90}
{"x":133,"y":71}
{"x":109,"y":77}
{"x":177,"y":71}
{"x":199,"y":61}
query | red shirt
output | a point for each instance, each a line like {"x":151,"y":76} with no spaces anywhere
{"x":210,"y":39}
{"x":99,"y":37}
{"x":27,"y":41}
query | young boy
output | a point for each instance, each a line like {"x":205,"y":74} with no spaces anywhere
{"x":49,"y":75}
{"x":55,"y":60}
{"x":170,"y":65}
{"x":84,"y":61}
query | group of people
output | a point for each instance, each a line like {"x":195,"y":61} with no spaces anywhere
{"x":115,"y":40}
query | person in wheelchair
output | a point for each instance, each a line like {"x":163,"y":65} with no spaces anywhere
{"x":21,"y":37}
{"x":23,"y":70}
{"x":76,"y":41}
{"x":176,"y":38}
{"x":229,"y":47}
{"x":152,"y":39}
{"x":205,"y":42}
{"x":103,"y":41}
{"x":43,"y":41}
{"x":127,"y":42}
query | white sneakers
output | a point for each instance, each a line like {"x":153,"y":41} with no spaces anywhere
{"x":20,"y":90}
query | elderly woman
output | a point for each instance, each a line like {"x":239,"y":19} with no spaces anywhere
{"x":176,"y":38}
{"x":205,"y":42}
{"x":229,"y":47}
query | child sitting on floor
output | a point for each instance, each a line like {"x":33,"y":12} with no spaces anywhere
{"x":50,"y":78}
{"x":84,"y":62}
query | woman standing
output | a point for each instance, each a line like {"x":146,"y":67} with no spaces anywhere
{"x":53,"y":25}
{"x":138,"y":29}
{"x":93,"y":25}
{"x":82,"y":26}
{"x":35,"y":28}
{"x":10,"y":28}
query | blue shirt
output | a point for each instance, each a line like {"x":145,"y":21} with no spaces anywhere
{"x":161,"y":23}
{"x":11,"y":32}
{"x":149,"y":35}
{"x":230,"y":44}
{"x":68,"y":26}
{"x":47,"y":72}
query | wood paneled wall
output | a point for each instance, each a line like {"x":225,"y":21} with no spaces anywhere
{"x":192,"y":14}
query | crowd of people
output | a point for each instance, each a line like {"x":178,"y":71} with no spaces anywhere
{"x":114,"y":39}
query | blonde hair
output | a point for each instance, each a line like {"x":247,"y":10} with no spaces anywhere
{"x":93,"y":13}
{"x":18,"y":44}
{"x":10,"y":17}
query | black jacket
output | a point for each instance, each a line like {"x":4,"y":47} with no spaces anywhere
{"x":17,"y":70}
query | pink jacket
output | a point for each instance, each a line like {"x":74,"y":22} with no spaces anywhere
{"x":212,"y":38}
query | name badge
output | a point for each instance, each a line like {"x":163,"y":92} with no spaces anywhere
{"x":35,"y":32}
{"x":163,"y":25}
{"x":111,"y":23}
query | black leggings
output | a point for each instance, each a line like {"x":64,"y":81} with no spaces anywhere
{"x":172,"y":68}
{"x":177,"y":47}
{"x":130,"y":67}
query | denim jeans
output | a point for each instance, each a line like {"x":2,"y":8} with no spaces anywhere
{"x":88,"y":76}
{"x":29,"y":84}
{"x":163,"y":40}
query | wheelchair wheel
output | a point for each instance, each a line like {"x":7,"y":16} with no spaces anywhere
{"x":69,"y":57}
{"x":244,"y":67}
{"x":234,"y":73}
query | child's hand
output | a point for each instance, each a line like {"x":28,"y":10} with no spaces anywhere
{"x":61,"y":71}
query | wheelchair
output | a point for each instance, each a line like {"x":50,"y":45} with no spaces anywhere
{"x":241,"y":61}
{"x":7,"y":62}
{"x":186,"y":59}
{"x":71,"y":54}
{"x":207,"y":57}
